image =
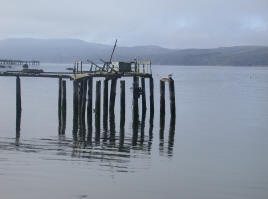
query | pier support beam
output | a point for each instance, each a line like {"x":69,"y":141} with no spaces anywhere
{"x":122,"y":104}
{"x":89,"y":107}
{"x":135,"y":110}
{"x":97,"y":109}
{"x":144,"y":108}
{"x":63,"y":111}
{"x":162,"y":101}
{"x":75,"y":107}
{"x":18,"y":106}
{"x":172,"y":98}
{"x":59,"y":104}
{"x":83,"y":107}
{"x":105,"y":104}
{"x":151,"y":98}
{"x":112,"y":98}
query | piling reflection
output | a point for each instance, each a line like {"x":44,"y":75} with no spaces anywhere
{"x":111,"y":148}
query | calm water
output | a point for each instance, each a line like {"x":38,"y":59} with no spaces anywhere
{"x":219,"y":149}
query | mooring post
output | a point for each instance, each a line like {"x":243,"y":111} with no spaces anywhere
{"x":112,"y":97}
{"x":143,"y":97}
{"x":105,"y":104}
{"x":59,"y":104}
{"x":63,"y":112}
{"x":172,"y":98}
{"x":97,"y":109}
{"x":75,"y":107}
{"x":135,"y":110}
{"x":162,"y":101}
{"x":18,"y":106}
{"x":151,"y":97}
{"x":89,"y":107}
{"x":122,"y":104}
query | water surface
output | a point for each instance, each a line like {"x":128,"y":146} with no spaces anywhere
{"x":219,"y":149}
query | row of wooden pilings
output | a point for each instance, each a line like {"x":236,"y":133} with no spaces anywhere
{"x":83,"y":104}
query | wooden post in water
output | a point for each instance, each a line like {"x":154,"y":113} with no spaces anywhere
{"x":97,"y":106}
{"x":59,"y":104}
{"x":63,"y":111}
{"x":122,"y":104}
{"x":143,"y":97}
{"x":83,"y":107}
{"x":162,"y":101}
{"x":172,"y":98}
{"x":80,"y":106}
{"x":89,"y":107}
{"x":18,"y":106}
{"x":75,"y":106}
{"x":151,"y":97}
{"x":112,"y":97}
{"x":135,"y":110}
{"x":105,"y":104}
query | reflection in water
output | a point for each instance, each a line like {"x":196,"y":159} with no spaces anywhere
{"x":110,"y":147}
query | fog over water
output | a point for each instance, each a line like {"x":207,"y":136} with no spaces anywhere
{"x":168,"y":23}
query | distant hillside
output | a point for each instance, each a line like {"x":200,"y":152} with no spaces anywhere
{"x":68,"y":50}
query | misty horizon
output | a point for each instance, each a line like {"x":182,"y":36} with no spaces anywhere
{"x":175,"y":24}
{"x":132,"y":45}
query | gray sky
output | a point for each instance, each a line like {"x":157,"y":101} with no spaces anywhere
{"x":168,"y":23}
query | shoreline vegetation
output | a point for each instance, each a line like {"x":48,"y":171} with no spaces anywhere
{"x":69,"y":50}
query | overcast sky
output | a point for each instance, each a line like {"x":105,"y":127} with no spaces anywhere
{"x":168,"y":23}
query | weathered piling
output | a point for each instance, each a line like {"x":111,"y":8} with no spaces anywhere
{"x":122,"y":104}
{"x":112,"y":97}
{"x":135,"y":110}
{"x":171,"y":135}
{"x":151,"y":97}
{"x":63,"y":108}
{"x":122,"y":113}
{"x":83,"y":107}
{"x":18,"y":106}
{"x":162,"y":100}
{"x":97,"y":107}
{"x":143,"y":97}
{"x":60,"y":104}
{"x":89,"y":107}
{"x":105,"y":104}
{"x":80,"y":108}
{"x":75,"y":107}
{"x":172,"y":98}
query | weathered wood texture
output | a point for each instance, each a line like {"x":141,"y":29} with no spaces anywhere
{"x":122,"y":104}
{"x":172,"y":98}
{"x":18,"y":106}
{"x":89,"y":106}
{"x":162,"y":101}
{"x":144,"y":107}
{"x":59,"y":105}
{"x":63,"y":108}
{"x":105,"y":104}
{"x":135,"y":110}
{"x":151,"y":97}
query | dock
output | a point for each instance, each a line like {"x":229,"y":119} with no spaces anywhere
{"x":83,"y":79}
{"x":18,"y":62}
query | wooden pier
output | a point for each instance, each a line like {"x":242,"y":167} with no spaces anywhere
{"x":18,"y":62}
{"x":83,"y":81}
